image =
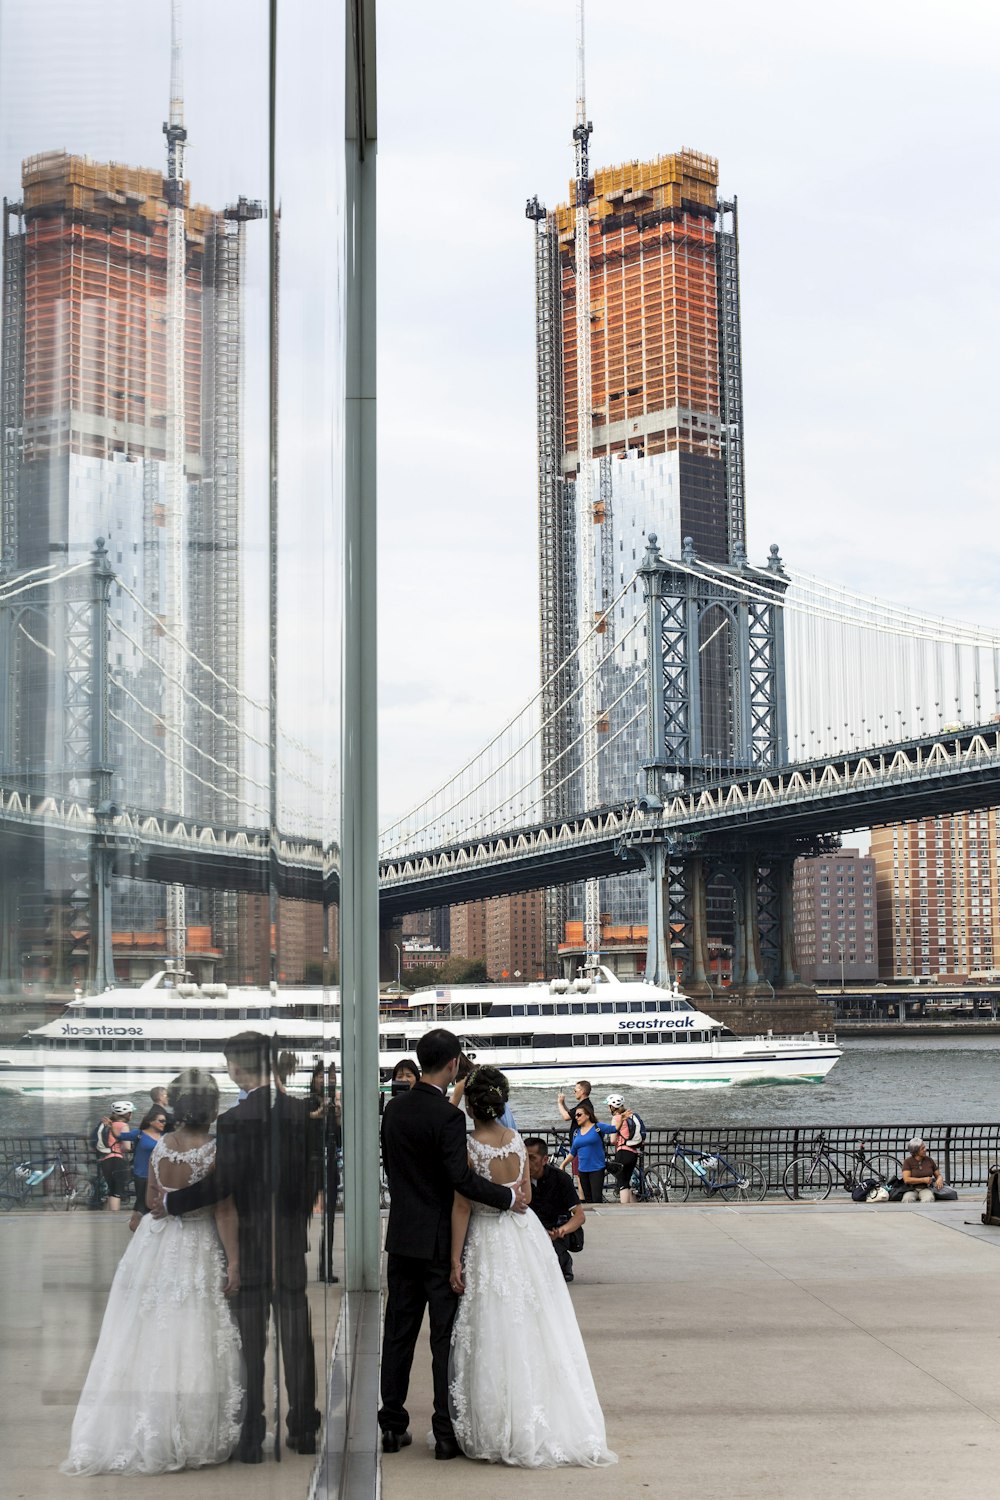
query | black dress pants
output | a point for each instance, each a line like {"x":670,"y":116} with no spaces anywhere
{"x":251,"y":1308}
{"x":414,"y":1285}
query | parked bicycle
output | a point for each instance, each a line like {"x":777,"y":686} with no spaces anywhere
{"x":809,"y":1179}
{"x":711,"y":1173}
{"x":646,"y":1183}
{"x":67,"y":1189}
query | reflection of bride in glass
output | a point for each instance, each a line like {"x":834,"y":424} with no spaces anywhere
{"x":164,"y":1389}
{"x":520,"y":1386}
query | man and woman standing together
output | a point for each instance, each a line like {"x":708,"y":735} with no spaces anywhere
{"x":222,"y":1249}
{"x":511,"y":1379}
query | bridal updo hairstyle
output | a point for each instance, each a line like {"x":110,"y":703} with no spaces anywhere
{"x":486,"y":1093}
{"x":194,"y":1098}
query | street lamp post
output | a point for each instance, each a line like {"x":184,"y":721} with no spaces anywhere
{"x":841,"y":948}
{"x":399,"y":966}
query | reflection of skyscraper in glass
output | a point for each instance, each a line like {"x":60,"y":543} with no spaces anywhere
{"x":667,"y":437}
{"x":84,"y":417}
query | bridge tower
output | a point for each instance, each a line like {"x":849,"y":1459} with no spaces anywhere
{"x":716,"y":708}
{"x":68,"y":620}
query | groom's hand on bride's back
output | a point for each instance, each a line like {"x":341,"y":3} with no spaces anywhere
{"x":520,"y":1203}
{"x":155,"y":1200}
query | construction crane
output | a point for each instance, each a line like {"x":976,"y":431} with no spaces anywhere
{"x":174,"y":512}
{"x":588,"y":514}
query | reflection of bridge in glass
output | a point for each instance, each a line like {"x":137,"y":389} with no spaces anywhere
{"x":720,"y":798}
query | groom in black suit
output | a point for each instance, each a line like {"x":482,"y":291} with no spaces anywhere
{"x":263,"y":1162}
{"x":426,"y":1163}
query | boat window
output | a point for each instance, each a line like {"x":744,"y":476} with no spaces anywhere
{"x":532,"y":1010}
{"x":684,"y":1005}
{"x":562,"y":1010}
{"x":649,"y":1005}
{"x":621,"y":1006}
{"x":579,"y":1041}
{"x":548,"y":1010}
{"x":606,"y":1007}
{"x":635,"y":1005}
{"x":593,"y":1040}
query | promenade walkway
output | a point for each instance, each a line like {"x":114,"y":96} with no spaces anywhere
{"x":772,"y":1352}
{"x":814,"y":1352}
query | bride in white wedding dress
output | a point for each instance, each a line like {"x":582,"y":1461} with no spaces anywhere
{"x":164,"y":1390}
{"x":520,"y":1386}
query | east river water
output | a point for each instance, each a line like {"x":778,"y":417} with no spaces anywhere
{"x":913,"y":1081}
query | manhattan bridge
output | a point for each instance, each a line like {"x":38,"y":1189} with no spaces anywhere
{"x":839,"y":712}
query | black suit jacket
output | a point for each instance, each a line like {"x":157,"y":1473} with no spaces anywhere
{"x":263,"y":1161}
{"x":426,"y":1162}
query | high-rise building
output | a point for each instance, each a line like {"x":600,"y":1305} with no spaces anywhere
{"x":938,"y":883}
{"x":836,"y":922}
{"x":508,"y":932}
{"x":667,"y":443}
{"x":85,"y":412}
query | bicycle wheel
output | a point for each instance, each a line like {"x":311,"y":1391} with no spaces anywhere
{"x":882,"y":1168}
{"x":676,"y":1183}
{"x":744,"y":1183}
{"x":79,"y":1192}
{"x":808,"y":1180}
{"x":656,"y":1191}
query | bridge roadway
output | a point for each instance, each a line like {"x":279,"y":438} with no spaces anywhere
{"x":885,"y":784}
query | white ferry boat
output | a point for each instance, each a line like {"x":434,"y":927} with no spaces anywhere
{"x":616,"y":1033}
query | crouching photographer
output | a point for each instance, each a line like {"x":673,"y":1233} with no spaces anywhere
{"x":554,"y":1200}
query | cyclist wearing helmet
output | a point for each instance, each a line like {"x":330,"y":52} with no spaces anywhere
{"x":111,"y":1152}
{"x":630,"y":1135}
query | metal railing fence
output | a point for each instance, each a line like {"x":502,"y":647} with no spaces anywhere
{"x":964,"y":1153}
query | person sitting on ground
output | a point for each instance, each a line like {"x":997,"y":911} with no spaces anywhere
{"x":920,"y":1173}
{"x":554,"y":1200}
{"x":587,"y":1145}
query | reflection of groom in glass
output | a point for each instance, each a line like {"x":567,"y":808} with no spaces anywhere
{"x":262,"y":1159}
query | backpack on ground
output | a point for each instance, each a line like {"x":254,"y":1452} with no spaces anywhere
{"x":992,"y":1214}
{"x":897,"y":1187}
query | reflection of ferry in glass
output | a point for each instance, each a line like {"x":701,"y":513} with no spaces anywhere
{"x":608,"y":1030}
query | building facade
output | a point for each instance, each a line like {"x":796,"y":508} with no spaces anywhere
{"x":836,"y":918}
{"x":667,"y":443}
{"x":938,"y":896}
{"x":507,"y":932}
{"x":86,"y":405}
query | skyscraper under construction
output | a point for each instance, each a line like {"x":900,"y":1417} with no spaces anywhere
{"x":666,"y":429}
{"x":86,"y":417}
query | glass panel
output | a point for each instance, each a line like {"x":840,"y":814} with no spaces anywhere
{"x":171,"y":559}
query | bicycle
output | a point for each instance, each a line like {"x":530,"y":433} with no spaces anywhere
{"x":20,"y":1181}
{"x":714,"y":1174}
{"x":809,"y":1179}
{"x":646,"y":1183}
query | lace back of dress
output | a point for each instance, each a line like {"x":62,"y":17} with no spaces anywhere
{"x":199,"y":1159}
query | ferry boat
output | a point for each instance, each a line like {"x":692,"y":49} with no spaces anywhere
{"x":614,"y":1032}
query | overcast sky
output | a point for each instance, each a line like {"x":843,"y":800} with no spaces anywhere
{"x":861,"y":141}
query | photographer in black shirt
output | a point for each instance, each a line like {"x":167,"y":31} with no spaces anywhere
{"x":554,"y":1200}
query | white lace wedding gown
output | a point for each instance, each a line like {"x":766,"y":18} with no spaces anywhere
{"x":164,"y":1390}
{"x":519,"y":1380}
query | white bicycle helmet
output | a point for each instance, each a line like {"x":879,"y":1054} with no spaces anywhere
{"x":615,"y":1101}
{"x":122,"y":1107}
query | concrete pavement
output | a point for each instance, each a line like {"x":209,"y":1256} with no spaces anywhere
{"x":814,"y":1352}
{"x":766,"y":1352}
